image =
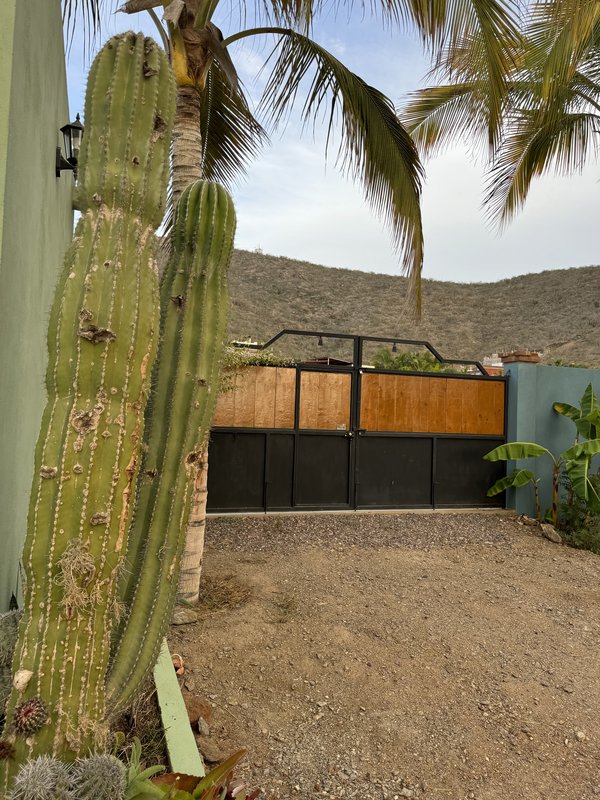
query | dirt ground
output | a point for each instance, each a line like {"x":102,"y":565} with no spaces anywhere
{"x":450,"y":656}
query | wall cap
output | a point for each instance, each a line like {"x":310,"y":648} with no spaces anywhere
{"x":521,"y":357}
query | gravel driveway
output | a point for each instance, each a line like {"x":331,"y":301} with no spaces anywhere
{"x":390,"y":656}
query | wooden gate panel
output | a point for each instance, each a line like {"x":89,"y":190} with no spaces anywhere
{"x":422,"y":404}
{"x":262,"y":397}
{"x":325,"y":400}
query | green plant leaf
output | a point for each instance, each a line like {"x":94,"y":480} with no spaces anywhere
{"x":567,"y":410}
{"x":577,"y":464}
{"x":517,"y":478}
{"x":588,"y":401}
{"x":515,"y":450}
{"x":219,"y":773}
{"x":589,"y":448}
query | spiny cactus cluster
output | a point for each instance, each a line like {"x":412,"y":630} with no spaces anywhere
{"x":98,"y":777}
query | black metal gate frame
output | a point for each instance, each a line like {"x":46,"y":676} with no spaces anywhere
{"x":356,"y":370}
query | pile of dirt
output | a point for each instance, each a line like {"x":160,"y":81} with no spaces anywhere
{"x":398,"y":656}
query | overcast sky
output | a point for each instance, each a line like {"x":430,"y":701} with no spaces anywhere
{"x":294,"y":203}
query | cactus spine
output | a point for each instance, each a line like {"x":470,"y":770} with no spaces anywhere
{"x":102,"y":342}
{"x":194,"y":304}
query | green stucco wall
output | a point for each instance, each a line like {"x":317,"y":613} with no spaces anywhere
{"x":532,"y":389}
{"x":35,"y":228}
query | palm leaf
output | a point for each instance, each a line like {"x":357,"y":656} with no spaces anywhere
{"x":562,"y":33}
{"x":539,"y":143}
{"x":438,"y":115}
{"x":90,"y":11}
{"x":480,"y":43}
{"x":231,"y":136}
{"x":374,"y":148}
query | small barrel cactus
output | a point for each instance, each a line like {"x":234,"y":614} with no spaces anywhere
{"x":194,"y":305}
{"x":103,"y":337}
{"x":98,"y":777}
{"x":42,"y":778}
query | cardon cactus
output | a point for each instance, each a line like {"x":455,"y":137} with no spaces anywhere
{"x":103,"y":335}
{"x":194,"y":304}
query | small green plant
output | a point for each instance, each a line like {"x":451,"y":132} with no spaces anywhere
{"x":412,"y":361}
{"x":579,"y":524}
{"x":237,"y":358}
{"x":218,"y":784}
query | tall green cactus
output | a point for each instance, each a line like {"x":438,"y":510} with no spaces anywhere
{"x":194,"y":303}
{"x":102,"y":342}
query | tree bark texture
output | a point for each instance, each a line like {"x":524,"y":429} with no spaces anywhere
{"x":187,"y":154}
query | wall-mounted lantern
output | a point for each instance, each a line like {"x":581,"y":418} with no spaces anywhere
{"x":320,"y":341}
{"x":72,"y":135}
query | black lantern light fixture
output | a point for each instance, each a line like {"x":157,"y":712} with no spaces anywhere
{"x":72,"y":135}
{"x":394,"y":348}
{"x":320,"y":341}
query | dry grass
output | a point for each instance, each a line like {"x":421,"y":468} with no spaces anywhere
{"x":223,"y":593}
{"x":143,"y":720}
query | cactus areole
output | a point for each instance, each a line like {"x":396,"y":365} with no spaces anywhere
{"x":103,"y":336}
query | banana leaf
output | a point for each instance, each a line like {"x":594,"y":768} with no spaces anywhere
{"x":518,"y":477}
{"x":516,"y":450}
{"x":587,"y":417}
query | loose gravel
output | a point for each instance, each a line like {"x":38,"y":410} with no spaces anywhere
{"x":382,"y":656}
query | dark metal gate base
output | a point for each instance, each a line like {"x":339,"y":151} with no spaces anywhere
{"x":275,"y":471}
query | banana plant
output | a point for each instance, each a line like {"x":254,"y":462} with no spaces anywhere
{"x":575,"y":461}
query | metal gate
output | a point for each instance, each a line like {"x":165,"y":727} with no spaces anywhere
{"x":314,"y":437}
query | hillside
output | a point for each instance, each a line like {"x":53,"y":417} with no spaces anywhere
{"x":557,"y":311}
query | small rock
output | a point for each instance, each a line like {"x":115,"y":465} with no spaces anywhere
{"x":549,"y":532}
{"x":580,"y":736}
{"x":203,"y":727}
{"x":406,"y":793}
{"x":184,"y":616}
{"x":211,"y":752}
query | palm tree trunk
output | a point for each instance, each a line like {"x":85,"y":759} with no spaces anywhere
{"x":187,"y":140}
{"x":187,"y":155}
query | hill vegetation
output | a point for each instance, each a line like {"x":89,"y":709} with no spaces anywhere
{"x":557,"y":311}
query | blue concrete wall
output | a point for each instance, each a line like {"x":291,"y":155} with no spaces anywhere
{"x":532,"y":389}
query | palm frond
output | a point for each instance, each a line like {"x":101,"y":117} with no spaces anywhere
{"x":440,"y":115}
{"x":537,"y":145}
{"x":480,"y":41}
{"x":559,"y":37}
{"x":231,"y":136}
{"x":374,"y":148}
{"x":89,"y":11}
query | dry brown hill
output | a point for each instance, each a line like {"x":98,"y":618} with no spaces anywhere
{"x":557,"y":311}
